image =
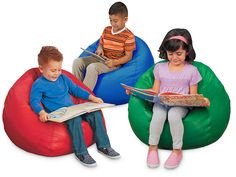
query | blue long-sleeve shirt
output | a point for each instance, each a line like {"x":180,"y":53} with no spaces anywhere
{"x":54,"y":94}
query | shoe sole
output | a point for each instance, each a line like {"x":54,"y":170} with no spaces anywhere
{"x":85,"y":164}
{"x":111,"y":157}
{"x":153,"y":166}
{"x":170,"y":167}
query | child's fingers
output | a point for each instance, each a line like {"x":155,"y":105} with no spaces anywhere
{"x":127,"y":92}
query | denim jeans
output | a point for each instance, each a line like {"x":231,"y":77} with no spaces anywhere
{"x":95,"y":121}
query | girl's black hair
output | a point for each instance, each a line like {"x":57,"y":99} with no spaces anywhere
{"x":174,"y":44}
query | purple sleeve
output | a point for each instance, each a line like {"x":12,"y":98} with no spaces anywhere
{"x":156,"y":72}
{"x":196,"y":77}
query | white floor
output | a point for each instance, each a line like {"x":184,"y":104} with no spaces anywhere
{"x":27,"y":25}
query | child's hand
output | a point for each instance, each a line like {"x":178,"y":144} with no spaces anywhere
{"x":43,"y":116}
{"x":99,"y":51}
{"x":128,"y":92}
{"x":95,"y":99}
{"x":207,"y":101}
{"x":110,"y":63}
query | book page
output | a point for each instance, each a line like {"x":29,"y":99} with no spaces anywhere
{"x":99,"y":58}
{"x":145,"y":91}
{"x":175,"y":99}
{"x":70,"y":112}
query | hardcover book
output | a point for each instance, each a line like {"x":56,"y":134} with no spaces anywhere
{"x":169,"y":98}
{"x":66,"y":113}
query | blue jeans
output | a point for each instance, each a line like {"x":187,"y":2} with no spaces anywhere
{"x":94,"y":119}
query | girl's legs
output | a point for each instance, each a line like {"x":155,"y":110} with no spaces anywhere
{"x":156,"y":127}
{"x":175,"y":116}
{"x":157,"y":123}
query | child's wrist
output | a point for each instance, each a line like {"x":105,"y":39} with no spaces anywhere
{"x":41,"y":112}
{"x":115,"y":62}
{"x":91,"y":97}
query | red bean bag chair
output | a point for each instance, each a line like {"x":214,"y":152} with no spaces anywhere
{"x":24,"y":128}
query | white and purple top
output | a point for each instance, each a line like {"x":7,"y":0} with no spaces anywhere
{"x":176,"y":81}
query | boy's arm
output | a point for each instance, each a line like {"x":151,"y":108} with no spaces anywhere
{"x":35,"y":98}
{"x":125,"y":59}
{"x":43,"y":116}
{"x":80,"y":92}
{"x":99,"y":50}
{"x":95,"y":99}
{"x":75,"y":90}
{"x":130,"y":46}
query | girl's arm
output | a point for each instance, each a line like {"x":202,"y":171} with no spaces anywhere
{"x":156,"y":86}
{"x":193,"y":89}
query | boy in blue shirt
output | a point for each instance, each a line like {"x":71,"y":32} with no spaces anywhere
{"x":53,"y":90}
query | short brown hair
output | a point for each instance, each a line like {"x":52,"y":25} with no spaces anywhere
{"x":49,"y":53}
{"x":118,"y":8}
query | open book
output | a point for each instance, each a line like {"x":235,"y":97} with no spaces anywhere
{"x":98,"y":57}
{"x":169,"y":98}
{"x":66,"y":113}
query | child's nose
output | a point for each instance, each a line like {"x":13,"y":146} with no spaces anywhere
{"x":175,"y":56}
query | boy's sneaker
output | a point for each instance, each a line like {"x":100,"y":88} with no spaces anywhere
{"x":86,"y":160}
{"x":109,"y":152}
{"x":153,"y":159}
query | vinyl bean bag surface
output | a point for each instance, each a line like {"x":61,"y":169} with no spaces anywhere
{"x":202,"y":126}
{"x":108,"y":85}
{"x":24,"y":128}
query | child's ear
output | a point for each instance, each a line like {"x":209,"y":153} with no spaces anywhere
{"x":40,"y":68}
{"x":126,"y":19}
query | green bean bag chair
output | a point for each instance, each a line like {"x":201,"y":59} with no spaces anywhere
{"x":202,"y":126}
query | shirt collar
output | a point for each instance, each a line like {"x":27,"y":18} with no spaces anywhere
{"x":117,"y":31}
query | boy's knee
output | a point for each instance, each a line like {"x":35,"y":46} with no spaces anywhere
{"x":92,"y":68}
{"x":98,"y":114}
{"x":74,"y":121}
{"x":78,"y":63}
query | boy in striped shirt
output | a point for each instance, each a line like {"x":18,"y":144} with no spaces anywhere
{"x":116,"y":45}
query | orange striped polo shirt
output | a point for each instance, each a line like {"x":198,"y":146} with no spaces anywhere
{"x":115,"y":45}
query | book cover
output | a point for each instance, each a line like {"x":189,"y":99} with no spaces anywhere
{"x":98,"y":57}
{"x":169,"y":98}
{"x":66,"y":113}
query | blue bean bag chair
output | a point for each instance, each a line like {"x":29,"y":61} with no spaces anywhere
{"x":202,"y":126}
{"x":108,"y":85}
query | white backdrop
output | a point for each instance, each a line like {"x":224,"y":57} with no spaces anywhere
{"x":27,"y":25}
